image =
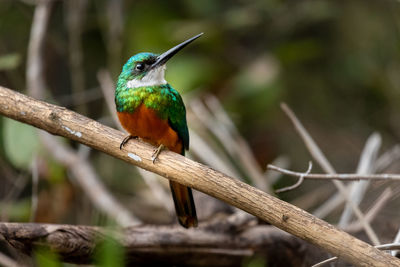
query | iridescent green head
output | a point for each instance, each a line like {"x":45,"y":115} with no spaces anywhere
{"x":148,"y":69}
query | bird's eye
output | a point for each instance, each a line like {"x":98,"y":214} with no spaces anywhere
{"x":139,"y":67}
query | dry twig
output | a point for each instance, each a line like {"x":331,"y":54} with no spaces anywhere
{"x":366,"y":166}
{"x":7,"y":261}
{"x":298,"y":183}
{"x":317,"y":154}
{"x":337,"y":176}
{"x":372,"y":212}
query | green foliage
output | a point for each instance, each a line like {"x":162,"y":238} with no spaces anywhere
{"x":256,"y":261}
{"x":17,"y":211}
{"x":20,"y":143}
{"x":187,"y":72}
{"x":110,"y":253}
{"x":46,"y":258}
{"x":56,"y":172}
{"x":10,"y":61}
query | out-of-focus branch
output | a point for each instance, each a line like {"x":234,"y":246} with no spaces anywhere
{"x":75,"y":16}
{"x":366,"y":166}
{"x":319,"y":157}
{"x":217,"y":121}
{"x":83,"y":172}
{"x":60,"y":121}
{"x":88,"y":180}
{"x":222,"y":243}
{"x":35,"y":67}
{"x":7,"y":261}
{"x":372,"y":212}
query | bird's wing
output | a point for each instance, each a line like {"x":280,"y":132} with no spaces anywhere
{"x":177,"y":117}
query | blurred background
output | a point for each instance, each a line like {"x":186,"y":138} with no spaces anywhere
{"x":335,"y":63}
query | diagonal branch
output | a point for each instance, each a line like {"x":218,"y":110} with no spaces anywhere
{"x":60,"y":121}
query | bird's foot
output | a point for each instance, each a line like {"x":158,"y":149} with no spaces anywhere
{"x":126,"y":139}
{"x":157,"y":152}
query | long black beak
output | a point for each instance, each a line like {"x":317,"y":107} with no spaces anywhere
{"x":164,"y":57}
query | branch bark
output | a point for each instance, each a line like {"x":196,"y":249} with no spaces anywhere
{"x":60,"y":121}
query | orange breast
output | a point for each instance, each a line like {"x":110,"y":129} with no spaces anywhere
{"x":145,"y":124}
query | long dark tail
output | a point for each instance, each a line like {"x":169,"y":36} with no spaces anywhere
{"x":184,"y":204}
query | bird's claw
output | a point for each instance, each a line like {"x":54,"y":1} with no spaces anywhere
{"x":156,"y":153}
{"x":126,"y":139}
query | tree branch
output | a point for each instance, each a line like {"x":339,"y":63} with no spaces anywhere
{"x":220,"y":243}
{"x":60,"y":121}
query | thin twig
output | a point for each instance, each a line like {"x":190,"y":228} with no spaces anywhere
{"x":386,"y":159}
{"x":299,"y":181}
{"x":272,"y":176}
{"x":317,"y":154}
{"x":366,"y":166}
{"x":396,"y":240}
{"x":229,"y":138}
{"x":329,"y":205}
{"x":338,"y":176}
{"x":243,"y":153}
{"x":312,"y":147}
{"x":325,"y":262}
{"x":372,"y":212}
{"x":7,"y":261}
{"x":207,"y":153}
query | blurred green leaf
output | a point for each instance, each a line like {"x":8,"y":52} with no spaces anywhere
{"x":47,"y":258}
{"x":188,"y":72}
{"x":17,"y":211}
{"x":299,"y":51}
{"x":255,"y":261}
{"x":20,"y":143}
{"x":10,"y":61}
{"x":57,"y":171}
{"x":110,"y":253}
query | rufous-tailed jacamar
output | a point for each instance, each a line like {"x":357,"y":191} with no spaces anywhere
{"x":149,"y":108}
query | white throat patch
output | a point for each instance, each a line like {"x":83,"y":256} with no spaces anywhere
{"x":152,"y":78}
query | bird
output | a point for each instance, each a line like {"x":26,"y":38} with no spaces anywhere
{"x":149,"y":108}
